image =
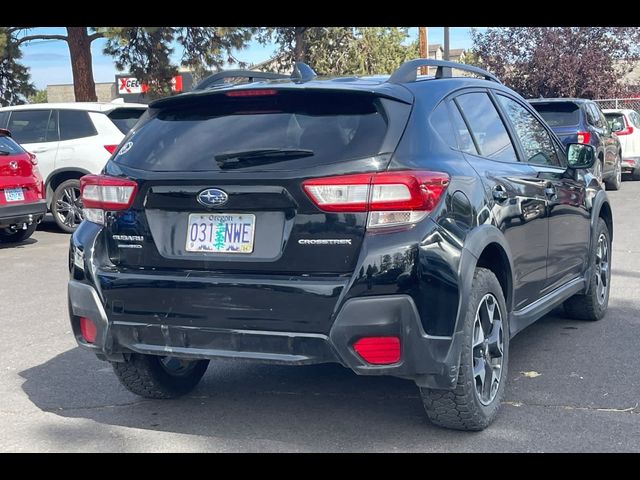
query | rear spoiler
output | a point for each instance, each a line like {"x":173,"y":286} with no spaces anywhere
{"x":4,"y":132}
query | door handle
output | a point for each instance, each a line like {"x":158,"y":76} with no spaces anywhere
{"x":499,"y":193}
{"x":39,"y":150}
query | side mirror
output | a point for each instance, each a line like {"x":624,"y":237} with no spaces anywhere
{"x":580,"y":155}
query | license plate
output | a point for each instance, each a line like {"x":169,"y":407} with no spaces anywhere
{"x":13,"y":194}
{"x":221,"y":232}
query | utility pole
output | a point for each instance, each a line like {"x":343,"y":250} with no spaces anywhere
{"x":446,"y":43}
{"x":423,"y":45}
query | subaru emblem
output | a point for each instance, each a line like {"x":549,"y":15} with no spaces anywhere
{"x":212,"y":197}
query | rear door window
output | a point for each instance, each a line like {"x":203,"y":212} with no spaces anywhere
{"x":33,"y":126}
{"x":75,"y":124}
{"x":535,"y":140}
{"x":280,"y":130}
{"x":442,"y":123}
{"x":558,"y":114}
{"x":486,"y":126}
{"x":125,"y":118}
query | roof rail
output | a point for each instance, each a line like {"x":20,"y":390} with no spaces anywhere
{"x":216,"y":78}
{"x":408,"y":71}
{"x":302,"y":73}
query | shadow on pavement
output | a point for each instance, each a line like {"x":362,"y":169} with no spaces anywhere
{"x":246,"y":406}
{"x":26,"y":243}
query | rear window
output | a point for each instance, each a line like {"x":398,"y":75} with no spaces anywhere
{"x":296,"y":130}
{"x":615,"y":121}
{"x":8,"y":146}
{"x":125,"y":118}
{"x":558,"y":114}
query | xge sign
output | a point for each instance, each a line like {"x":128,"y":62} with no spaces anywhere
{"x":130,"y":85}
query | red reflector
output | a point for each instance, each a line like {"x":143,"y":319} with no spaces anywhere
{"x":110,"y":148}
{"x":583,"y":137}
{"x":88,"y":329}
{"x":378,"y":350}
{"x":251,"y":93}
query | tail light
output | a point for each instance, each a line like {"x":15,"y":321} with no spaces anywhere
{"x":628,"y":130}
{"x":258,"y":92}
{"x":391,"y":198}
{"x":584,"y":137}
{"x":100,"y":193}
{"x":110,"y":148}
{"x":378,"y":350}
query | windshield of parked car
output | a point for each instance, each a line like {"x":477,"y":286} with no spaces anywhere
{"x":558,"y":114}
{"x":294,"y":129}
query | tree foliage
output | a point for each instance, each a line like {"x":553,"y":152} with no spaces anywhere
{"x":146,"y":51}
{"x":341,"y":50}
{"x":40,"y":96}
{"x":15,"y":84}
{"x":585,"y":62}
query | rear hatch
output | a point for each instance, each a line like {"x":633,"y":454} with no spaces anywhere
{"x":17,"y":183}
{"x":562,"y":117}
{"x":224,"y":172}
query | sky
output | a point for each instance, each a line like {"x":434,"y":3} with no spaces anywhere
{"x":49,"y":64}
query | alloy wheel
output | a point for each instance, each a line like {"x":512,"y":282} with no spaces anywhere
{"x":487,"y":349}
{"x":69,"y":207}
{"x":602,"y":272}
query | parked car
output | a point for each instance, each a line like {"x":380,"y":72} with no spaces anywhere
{"x":70,"y":140}
{"x":339,"y":220}
{"x":577,"y":120}
{"x":21,"y":191}
{"x":625,"y":123}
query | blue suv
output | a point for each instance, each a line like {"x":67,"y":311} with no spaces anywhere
{"x":576,"y":120}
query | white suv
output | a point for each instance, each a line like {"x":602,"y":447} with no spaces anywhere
{"x":625,"y":123}
{"x":70,"y":140}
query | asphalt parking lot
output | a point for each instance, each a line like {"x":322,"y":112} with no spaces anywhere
{"x":573,"y":386}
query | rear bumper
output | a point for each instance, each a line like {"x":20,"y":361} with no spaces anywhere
{"x":430,"y":361}
{"x":22,"y":213}
{"x":630,"y":164}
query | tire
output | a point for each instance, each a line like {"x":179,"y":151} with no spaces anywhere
{"x":597,"y":171}
{"x":635,"y":175}
{"x":616,"y":180}
{"x":152,"y":376}
{"x":8,"y":236}
{"x":66,"y":206}
{"x":593,"y":305}
{"x":464,"y":408}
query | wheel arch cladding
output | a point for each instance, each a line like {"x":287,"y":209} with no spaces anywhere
{"x":489,"y":248}
{"x":606,"y":214}
{"x":59,"y":176}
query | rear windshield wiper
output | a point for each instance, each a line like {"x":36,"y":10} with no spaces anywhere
{"x":243,"y":158}
{"x":4,"y":152}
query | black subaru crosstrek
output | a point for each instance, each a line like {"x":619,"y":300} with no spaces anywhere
{"x":405,"y":225}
